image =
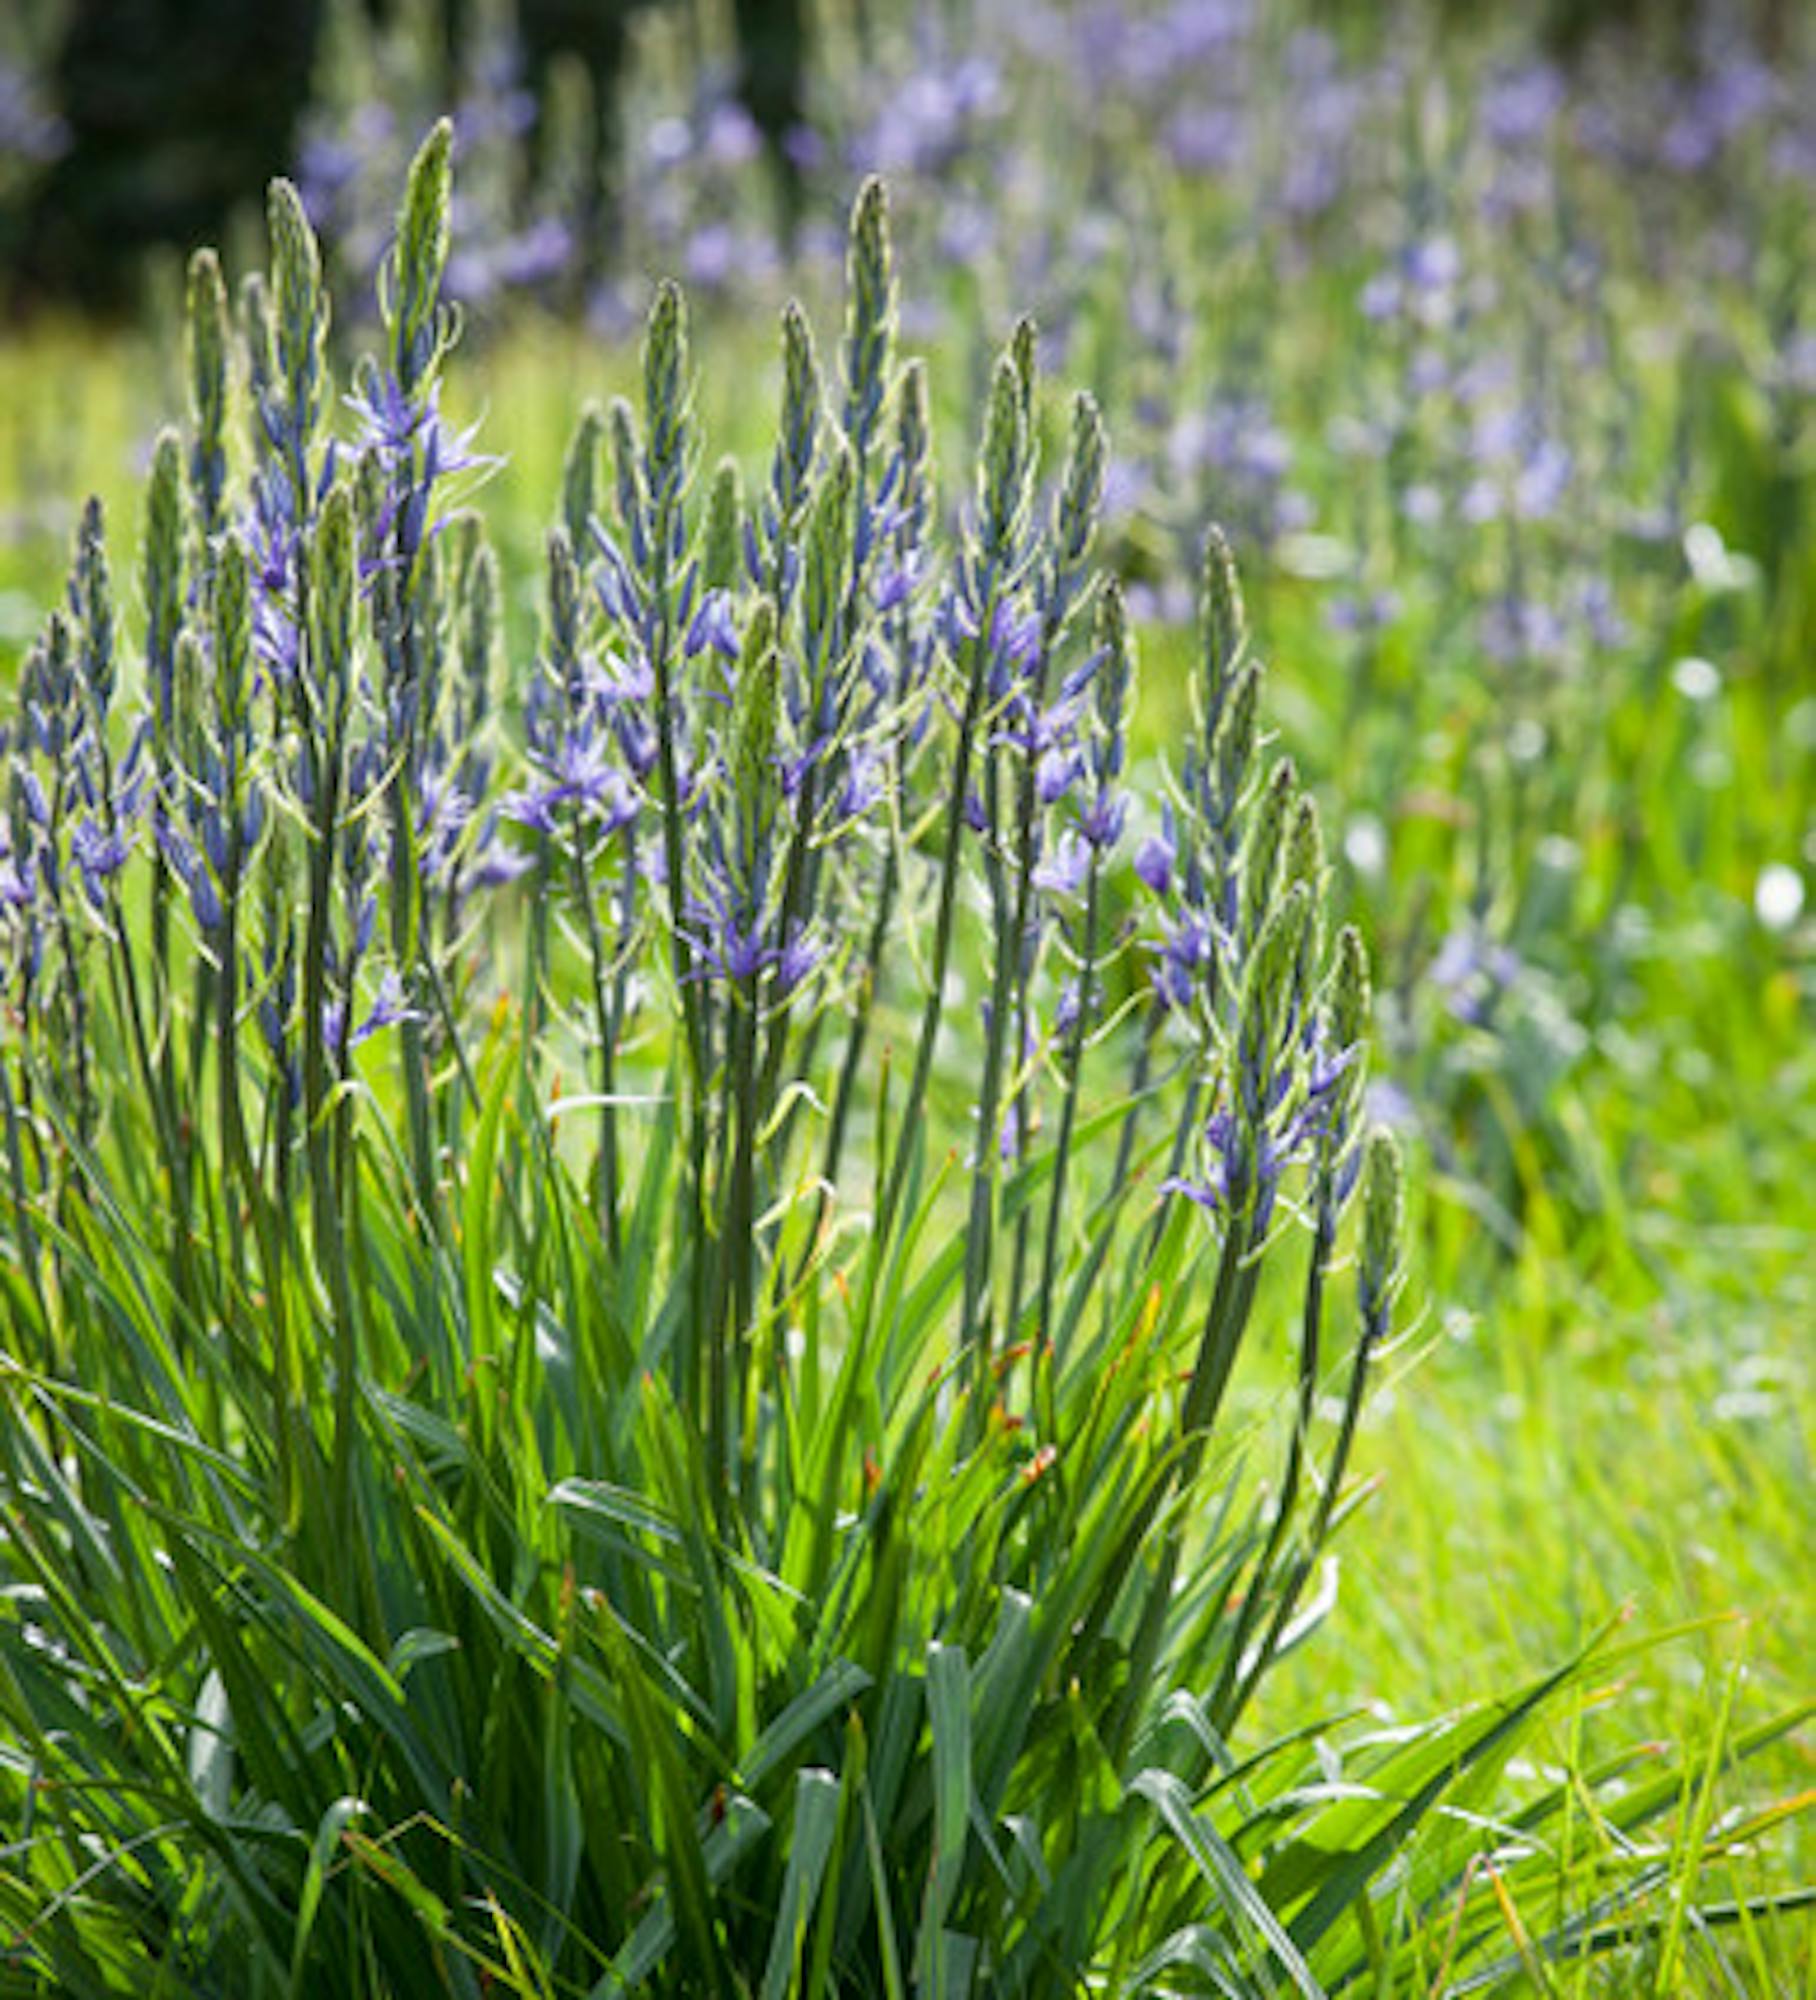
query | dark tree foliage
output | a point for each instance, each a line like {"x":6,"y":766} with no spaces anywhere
{"x":175,"y":110}
{"x":772,"y":70}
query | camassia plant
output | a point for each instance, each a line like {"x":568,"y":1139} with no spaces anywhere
{"x":621,"y":1283}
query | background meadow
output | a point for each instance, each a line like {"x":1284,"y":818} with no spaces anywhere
{"x":1495,"y":359}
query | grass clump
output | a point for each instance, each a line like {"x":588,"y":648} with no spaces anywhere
{"x":622,"y":1280}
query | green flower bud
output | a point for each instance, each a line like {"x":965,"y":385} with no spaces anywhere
{"x":332,"y":590}
{"x":260,"y":340}
{"x":188,"y":718}
{"x":232,"y":618}
{"x":870,"y":313}
{"x":1081,"y":488}
{"x":463,"y":536}
{"x":207,"y":351}
{"x":478,"y":633}
{"x":627,"y":468}
{"x":1383,"y":1219}
{"x":163,"y":570}
{"x":563,"y":602}
{"x":1266,"y":1017}
{"x":828,"y":552}
{"x":1271,"y":967}
{"x":1305,"y":846}
{"x":1115,"y":679}
{"x":1024,"y":351}
{"x":91,"y":595}
{"x":1233,"y":740}
{"x":800,"y":432}
{"x":301,"y":305}
{"x":411,"y":299}
{"x":371,"y":490}
{"x":1223,"y":625}
{"x":1351,"y":1001}
{"x":1348,"y":1009}
{"x":999,"y":473}
{"x":279,"y":887}
{"x":1261,"y":858}
{"x":753,"y":722}
{"x":913,"y":426}
{"x":1305,"y":864}
{"x":719,"y":551}
{"x":666,"y":391}
{"x":580,"y":475}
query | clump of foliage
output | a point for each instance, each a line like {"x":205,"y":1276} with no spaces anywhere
{"x":622,"y":1283}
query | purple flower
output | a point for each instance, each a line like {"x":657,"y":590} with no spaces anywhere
{"x":1064,"y":870}
{"x":1225,"y":1179}
{"x":1066,"y":1013}
{"x":1056,"y":773}
{"x":579,"y":776}
{"x":1155,"y":857}
{"x":1015,"y":637}
{"x":389,"y":1009}
{"x":99,"y":854}
{"x":863,"y":785}
{"x":893,"y":582}
{"x":192,"y":870}
{"x":712,"y":626}
{"x":1103,"y":819}
{"x":798,"y":960}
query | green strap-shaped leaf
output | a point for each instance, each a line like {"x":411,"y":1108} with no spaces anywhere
{"x":815,"y":1822}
